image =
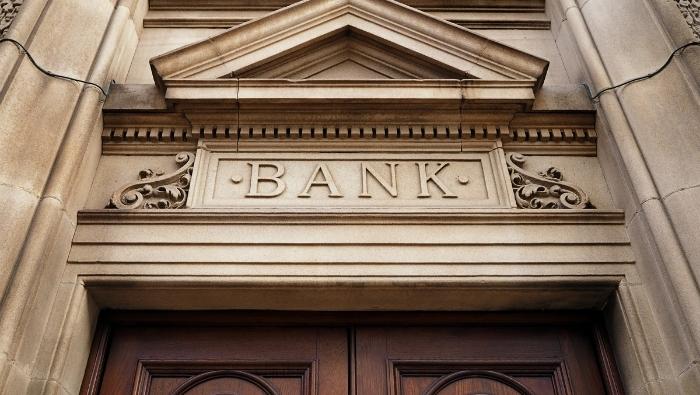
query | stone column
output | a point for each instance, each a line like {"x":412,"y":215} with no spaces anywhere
{"x":49,"y":148}
{"x":649,"y":150}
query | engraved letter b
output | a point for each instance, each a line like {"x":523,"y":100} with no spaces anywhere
{"x":256,"y":178}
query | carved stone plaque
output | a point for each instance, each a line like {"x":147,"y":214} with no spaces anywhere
{"x":371,"y":180}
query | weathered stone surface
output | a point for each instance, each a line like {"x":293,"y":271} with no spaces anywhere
{"x":348,"y":180}
{"x":403,"y":253}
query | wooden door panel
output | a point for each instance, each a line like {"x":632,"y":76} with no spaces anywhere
{"x":540,"y":360}
{"x":167,"y":377}
{"x":226,"y":360}
{"x":417,"y":378}
{"x":403,"y":354}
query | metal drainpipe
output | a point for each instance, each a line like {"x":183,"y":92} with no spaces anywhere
{"x":47,"y":217}
{"x":675,"y":264}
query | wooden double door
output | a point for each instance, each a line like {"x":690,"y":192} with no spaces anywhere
{"x":350,"y":353}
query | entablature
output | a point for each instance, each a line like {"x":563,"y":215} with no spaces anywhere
{"x":519,"y":5}
{"x":475,"y":14}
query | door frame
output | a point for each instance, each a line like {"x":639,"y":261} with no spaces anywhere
{"x":108,"y":319}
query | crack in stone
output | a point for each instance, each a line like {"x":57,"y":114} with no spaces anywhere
{"x":680,"y":190}
{"x":19,"y":188}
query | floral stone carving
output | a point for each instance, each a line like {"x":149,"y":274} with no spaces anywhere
{"x":8,"y":12}
{"x":545,"y":189}
{"x":157,"y":190}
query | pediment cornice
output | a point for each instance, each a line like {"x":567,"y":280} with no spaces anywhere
{"x":519,"y":5}
{"x":198,"y":68}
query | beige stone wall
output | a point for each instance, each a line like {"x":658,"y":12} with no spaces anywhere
{"x":648,"y":148}
{"x":51,"y":167}
{"x":48,"y":160}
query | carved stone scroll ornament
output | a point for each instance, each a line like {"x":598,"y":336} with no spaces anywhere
{"x":157,"y":190}
{"x":543,"y":190}
{"x":691,"y":12}
{"x":8,"y":12}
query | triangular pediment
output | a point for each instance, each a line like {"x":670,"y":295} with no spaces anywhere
{"x":348,"y":55}
{"x":348,"y":40}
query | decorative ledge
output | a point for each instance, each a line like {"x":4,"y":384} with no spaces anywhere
{"x":271,"y":5}
{"x":485,"y":18}
{"x":351,"y":216}
{"x":171,"y":140}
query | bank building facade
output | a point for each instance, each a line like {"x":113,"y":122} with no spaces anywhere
{"x":349,"y":197}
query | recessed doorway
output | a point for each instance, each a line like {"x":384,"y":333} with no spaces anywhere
{"x":372,"y":353}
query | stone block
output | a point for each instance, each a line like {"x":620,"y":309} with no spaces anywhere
{"x":555,"y":14}
{"x":616,"y":177}
{"x":157,"y":41}
{"x":623,"y":346}
{"x":29,"y":143}
{"x":34,"y":320}
{"x":135,"y":97}
{"x":673,"y":324}
{"x":73,"y":54}
{"x":77,"y":197}
{"x":641,"y":40}
{"x":546,"y":48}
{"x":663,"y":114}
{"x":62,"y":302}
{"x":690,"y":379}
{"x":571,"y":57}
{"x":584,"y":172}
{"x":568,"y":97}
{"x":16,"y":382}
{"x":78,"y":351}
{"x":17,"y":207}
{"x":116,"y":171}
{"x":682,"y":208}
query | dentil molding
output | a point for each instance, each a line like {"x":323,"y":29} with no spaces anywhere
{"x":554,"y":139}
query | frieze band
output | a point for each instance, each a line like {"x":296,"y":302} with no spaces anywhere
{"x":268,"y":179}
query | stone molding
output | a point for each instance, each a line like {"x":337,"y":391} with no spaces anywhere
{"x":8,"y":11}
{"x":299,"y":95}
{"x":572,"y":139}
{"x":270,"y":5}
{"x":482,"y":18}
{"x":351,"y":216}
{"x":305,"y":22}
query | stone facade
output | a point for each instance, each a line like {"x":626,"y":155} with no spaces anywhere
{"x":245,"y":159}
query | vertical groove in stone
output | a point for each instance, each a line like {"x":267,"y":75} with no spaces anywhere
{"x":8,"y":12}
{"x":691,"y":12}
